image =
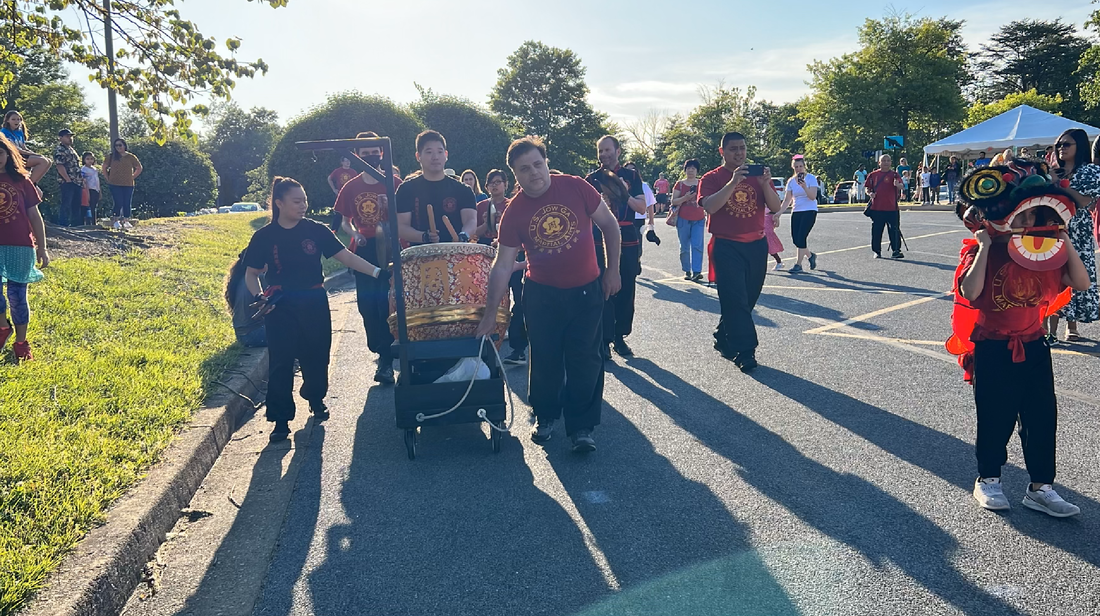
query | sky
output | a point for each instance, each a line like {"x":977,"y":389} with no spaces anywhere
{"x":653,"y":56}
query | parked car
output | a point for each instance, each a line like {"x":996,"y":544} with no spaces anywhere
{"x":780,"y":186}
{"x":844,"y":192}
{"x":225,"y":209}
{"x":245,"y":206}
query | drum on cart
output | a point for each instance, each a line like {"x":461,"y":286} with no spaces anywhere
{"x":446,"y":287}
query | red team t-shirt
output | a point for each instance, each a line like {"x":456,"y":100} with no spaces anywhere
{"x":555,"y":230}
{"x":16,"y":196}
{"x":741,"y":219}
{"x":690,"y":209}
{"x":341,"y":176}
{"x":661,"y":186}
{"x":1009,"y":306}
{"x":886,"y":194}
{"x":360,"y":203}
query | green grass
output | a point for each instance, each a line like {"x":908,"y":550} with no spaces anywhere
{"x":126,"y":349}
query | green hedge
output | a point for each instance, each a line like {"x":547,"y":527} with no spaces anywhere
{"x":475,"y":139}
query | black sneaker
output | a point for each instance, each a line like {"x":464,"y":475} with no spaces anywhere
{"x":384,"y":373}
{"x":516,"y":358}
{"x":698,"y":277}
{"x":813,"y":260}
{"x":583,"y":441}
{"x":542,"y":432}
{"x":281,"y":431}
{"x":878,"y":255}
{"x":897,"y":255}
{"x":746,"y":361}
{"x":622,"y":349}
{"x":687,"y":275}
{"x":723,"y":352}
{"x":319,"y":410}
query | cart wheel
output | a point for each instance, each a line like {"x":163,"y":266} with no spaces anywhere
{"x":410,"y":443}
{"x":496,"y":436}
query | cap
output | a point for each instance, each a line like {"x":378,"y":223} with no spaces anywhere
{"x":64,"y":132}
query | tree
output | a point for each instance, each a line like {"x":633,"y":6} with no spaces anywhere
{"x":1032,"y":54}
{"x":177,"y":177}
{"x":161,"y":61}
{"x":979,"y":112}
{"x":542,"y":91}
{"x":906,"y":79}
{"x":343,"y":116}
{"x":1087,"y":71}
{"x":26,"y":67}
{"x":475,"y":138}
{"x":237,"y":143}
{"x":698,"y":135}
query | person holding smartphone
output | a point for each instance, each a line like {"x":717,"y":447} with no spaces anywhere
{"x":690,"y":221}
{"x":884,"y":188}
{"x":735,"y":195}
{"x":801,"y":193}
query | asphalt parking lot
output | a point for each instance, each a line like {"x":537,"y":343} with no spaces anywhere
{"x":835,"y":479}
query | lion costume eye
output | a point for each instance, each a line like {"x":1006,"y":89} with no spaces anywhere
{"x":983,"y":184}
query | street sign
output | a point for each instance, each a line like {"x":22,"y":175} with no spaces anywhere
{"x":893,"y":143}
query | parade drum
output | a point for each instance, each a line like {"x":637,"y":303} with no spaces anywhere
{"x":446,"y":287}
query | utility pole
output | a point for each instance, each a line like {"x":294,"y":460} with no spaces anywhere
{"x":109,"y":44}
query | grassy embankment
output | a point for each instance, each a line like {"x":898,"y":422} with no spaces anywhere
{"x":126,"y":349}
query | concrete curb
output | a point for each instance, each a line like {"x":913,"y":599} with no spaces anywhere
{"x":101,"y":573}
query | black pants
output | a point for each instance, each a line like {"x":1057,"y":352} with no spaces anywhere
{"x":801,"y":225}
{"x":517,"y":329}
{"x":300,"y":327}
{"x":740,"y":268}
{"x":565,"y":368}
{"x":1005,"y":392}
{"x":372,"y":298}
{"x":618,"y":310}
{"x":892,"y":221}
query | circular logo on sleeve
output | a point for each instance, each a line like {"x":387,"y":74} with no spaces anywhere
{"x":309,"y":247}
{"x":554,"y":228}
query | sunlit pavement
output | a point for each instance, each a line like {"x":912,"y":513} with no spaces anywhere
{"x":835,"y":479}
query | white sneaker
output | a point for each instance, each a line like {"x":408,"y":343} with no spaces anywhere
{"x":126,"y":225}
{"x":117,"y":226}
{"x":778,"y":266}
{"x":989,"y":494}
{"x":1045,"y":499}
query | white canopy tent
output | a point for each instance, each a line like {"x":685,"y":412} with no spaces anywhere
{"x":1021,"y":127}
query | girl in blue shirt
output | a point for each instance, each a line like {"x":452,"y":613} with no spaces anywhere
{"x":18,"y":134}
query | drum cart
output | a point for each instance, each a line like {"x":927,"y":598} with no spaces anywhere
{"x":416,"y":398}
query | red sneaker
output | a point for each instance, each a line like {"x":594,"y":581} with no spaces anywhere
{"x":22,"y":351}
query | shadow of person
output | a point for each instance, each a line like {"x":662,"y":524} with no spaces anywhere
{"x":940,"y":266}
{"x":458,"y":531}
{"x":949,"y":458}
{"x":840,"y":505}
{"x":671,"y":543}
{"x":696,"y":298}
{"x":833,"y":280}
{"x":233,"y":586}
{"x":803,"y":308}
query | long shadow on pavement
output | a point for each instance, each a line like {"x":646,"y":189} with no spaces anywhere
{"x":843,"y":506}
{"x":943,"y":455}
{"x":458,"y":531}
{"x":673,"y":546}
{"x":833,"y":280}
{"x":695,"y":298}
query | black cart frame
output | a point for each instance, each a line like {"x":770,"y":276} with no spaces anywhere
{"x":412,"y":401}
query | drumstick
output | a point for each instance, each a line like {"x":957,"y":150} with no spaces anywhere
{"x":431,"y":219}
{"x":450,"y":229}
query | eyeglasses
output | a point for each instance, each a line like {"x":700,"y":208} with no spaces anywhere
{"x":1063,"y":144}
{"x":495,"y":182}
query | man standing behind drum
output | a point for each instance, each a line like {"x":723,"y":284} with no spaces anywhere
{"x":447,"y":197}
{"x":363,"y":203}
{"x":551,"y":220}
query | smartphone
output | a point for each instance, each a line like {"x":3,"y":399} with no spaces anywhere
{"x":755,"y":169}
{"x":801,"y":176}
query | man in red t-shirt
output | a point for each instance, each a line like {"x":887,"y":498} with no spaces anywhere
{"x":735,"y":201}
{"x":663,"y":188}
{"x":884,"y":189}
{"x":563,"y":296}
{"x":363,"y":204}
{"x":336,"y":180}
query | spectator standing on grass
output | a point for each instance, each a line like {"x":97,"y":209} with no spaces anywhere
{"x":90,"y":199}
{"x":884,"y":189}
{"x":1074,"y":162}
{"x":690,"y":221}
{"x":801,"y":193}
{"x":67,"y":162}
{"x":951,"y":176}
{"x":121,"y":168}
{"x":860,"y":178}
{"x":18,"y":133}
{"x":22,"y":246}
{"x":295,"y":309}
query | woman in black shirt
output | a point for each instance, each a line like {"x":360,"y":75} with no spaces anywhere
{"x":295,"y":305}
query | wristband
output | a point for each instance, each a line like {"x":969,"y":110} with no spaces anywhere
{"x":427,"y":238}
